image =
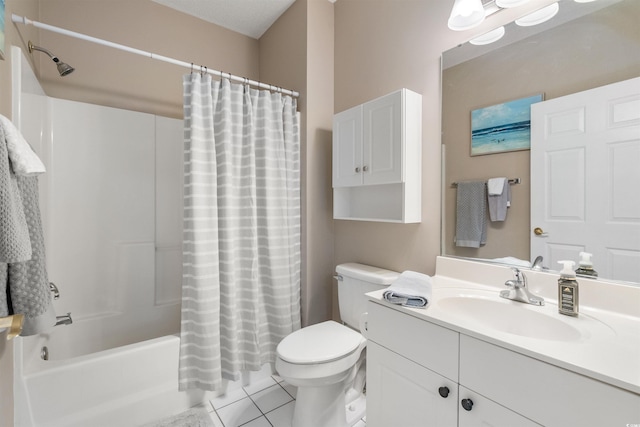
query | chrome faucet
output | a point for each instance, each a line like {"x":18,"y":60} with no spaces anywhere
{"x":518,"y":290}
{"x":537,"y":264}
{"x":64,"y":320}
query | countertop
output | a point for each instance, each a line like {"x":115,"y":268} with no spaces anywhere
{"x":608,"y":349}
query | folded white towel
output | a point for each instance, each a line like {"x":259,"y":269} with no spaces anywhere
{"x":24,"y":161}
{"x":495,"y":186}
{"x":410,"y":289}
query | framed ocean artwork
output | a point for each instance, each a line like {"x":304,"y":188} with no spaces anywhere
{"x":502,"y":127}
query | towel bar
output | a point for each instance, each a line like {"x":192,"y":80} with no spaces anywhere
{"x":512,"y":181}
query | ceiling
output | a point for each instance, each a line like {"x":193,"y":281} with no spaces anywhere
{"x":249,"y":17}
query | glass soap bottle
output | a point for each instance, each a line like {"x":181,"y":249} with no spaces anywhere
{"x":568,"y":298}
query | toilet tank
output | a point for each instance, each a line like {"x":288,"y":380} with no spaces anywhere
{"x":354,"y":281}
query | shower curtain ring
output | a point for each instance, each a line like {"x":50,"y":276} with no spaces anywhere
{"x":192,"y":68}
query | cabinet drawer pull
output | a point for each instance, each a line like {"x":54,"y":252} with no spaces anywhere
{"x":444,"y":391}
{"x":467,"y":404}
{"x":365,"y":168}
{"x":358,"y":169}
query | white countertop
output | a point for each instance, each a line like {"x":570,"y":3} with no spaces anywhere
{"x":607,"y":350}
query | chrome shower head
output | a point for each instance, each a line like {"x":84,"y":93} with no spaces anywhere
{"x":63,"y":68}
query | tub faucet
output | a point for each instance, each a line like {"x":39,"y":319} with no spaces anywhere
{"x":64,"y":320}
{"x":518,"y":290}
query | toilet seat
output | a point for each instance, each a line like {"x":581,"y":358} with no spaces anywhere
{"x":320,"y":343}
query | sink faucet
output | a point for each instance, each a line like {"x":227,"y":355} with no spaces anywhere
{"x":537,"y":264}
{"x":518,"y":290}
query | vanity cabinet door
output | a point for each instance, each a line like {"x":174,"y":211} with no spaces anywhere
{"x":403,"y":393}
{"x":476,"y":410}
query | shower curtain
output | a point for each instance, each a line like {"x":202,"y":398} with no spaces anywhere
{"x":241,"y":234}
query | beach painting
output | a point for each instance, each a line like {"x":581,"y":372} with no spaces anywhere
{"x":502,"y":127}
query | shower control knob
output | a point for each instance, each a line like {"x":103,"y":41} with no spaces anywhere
{"x":444,"y":391}
{"x":467,"y":404}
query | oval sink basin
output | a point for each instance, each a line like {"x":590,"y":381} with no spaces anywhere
{"x":511,"y":317}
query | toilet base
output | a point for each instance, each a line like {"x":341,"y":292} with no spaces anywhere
{"x":328,"y":406}
{"x":356,"y":408}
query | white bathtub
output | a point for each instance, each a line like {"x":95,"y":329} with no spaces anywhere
{"x":125,"y":386}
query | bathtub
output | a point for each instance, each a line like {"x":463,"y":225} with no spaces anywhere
{"x":125,"y":386}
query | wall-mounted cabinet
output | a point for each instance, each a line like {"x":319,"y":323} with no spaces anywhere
{"x":377,"y":159}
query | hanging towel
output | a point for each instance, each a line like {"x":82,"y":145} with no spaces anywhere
{"x":495,"y":186}
{"x":24,"y":286}
{"x":471,"y":213}
{"x":15,"y":244}
{"x":410,"y":289}
{"x":498,"y":203}
{"x":24,"y":161}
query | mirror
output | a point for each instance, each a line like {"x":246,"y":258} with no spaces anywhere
{"x":585,"y":46}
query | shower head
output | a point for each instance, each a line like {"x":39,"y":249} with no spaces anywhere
{"x":63,"y":68}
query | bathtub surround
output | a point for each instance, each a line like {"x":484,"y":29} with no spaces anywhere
{"x":241,"y":241}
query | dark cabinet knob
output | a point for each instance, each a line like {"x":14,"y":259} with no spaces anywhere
{"x":467,"y":404}
{"x":444,"y":391}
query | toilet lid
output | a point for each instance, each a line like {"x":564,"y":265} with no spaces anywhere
{"x":319,"y":343}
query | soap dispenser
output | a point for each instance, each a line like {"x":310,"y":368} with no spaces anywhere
{"x":585,"y":266}
{"x":568,"y":290}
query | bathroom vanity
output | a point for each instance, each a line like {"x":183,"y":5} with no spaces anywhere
{"x":472,"y":358}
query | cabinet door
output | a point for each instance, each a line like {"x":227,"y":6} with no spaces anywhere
{"x":382,"y":140}
{"x":347,"y":148}
{"x":403,"y":393}
{"x":476,"y":410}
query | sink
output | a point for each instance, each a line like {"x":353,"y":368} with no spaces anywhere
{"x":513,"y":317}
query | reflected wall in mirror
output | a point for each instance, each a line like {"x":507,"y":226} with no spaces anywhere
{"x":592,"y":50}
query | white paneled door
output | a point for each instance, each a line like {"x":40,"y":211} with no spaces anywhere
{"x":585,"y":179}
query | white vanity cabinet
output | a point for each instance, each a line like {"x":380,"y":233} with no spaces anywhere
{"x":377,"y":159}
{"x":412,"y":377}
{"x":409,"y":359}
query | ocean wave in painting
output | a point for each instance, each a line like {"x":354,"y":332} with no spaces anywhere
{"x":507,"y":137}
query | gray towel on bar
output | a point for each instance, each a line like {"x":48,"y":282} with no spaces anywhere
{"x":471,"y":216}
{"x":499,"y":203}
{"x":24,"y":286}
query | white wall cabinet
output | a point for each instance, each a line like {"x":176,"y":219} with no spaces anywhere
{"x":377,"y":158}
{"x":409,"y":359}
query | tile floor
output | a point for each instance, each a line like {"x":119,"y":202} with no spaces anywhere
{"x":265,"y":403}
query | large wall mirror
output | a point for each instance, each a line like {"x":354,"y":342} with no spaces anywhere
{"x":587,"y":45}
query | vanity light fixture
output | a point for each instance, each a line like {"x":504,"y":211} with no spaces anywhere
{"x":510,"y":3}
{"x":466,"y":14}
{"x":488,"y":38}
{"x":539,"y":16}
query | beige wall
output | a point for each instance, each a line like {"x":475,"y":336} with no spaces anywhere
{"x":586,"y":53}
{"x":297,"y":51}
{"x":381,"y":46}
{"x":120,"y":79}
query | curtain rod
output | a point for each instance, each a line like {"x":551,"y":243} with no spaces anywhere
{"x":27,"y":21}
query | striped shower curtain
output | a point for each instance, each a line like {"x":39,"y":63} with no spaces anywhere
{"x":241,"y":250}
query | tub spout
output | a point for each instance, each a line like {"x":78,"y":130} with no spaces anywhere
{"x":64,"y":320}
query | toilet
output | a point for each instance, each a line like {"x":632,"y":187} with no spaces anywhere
{"x":326,"y":361}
